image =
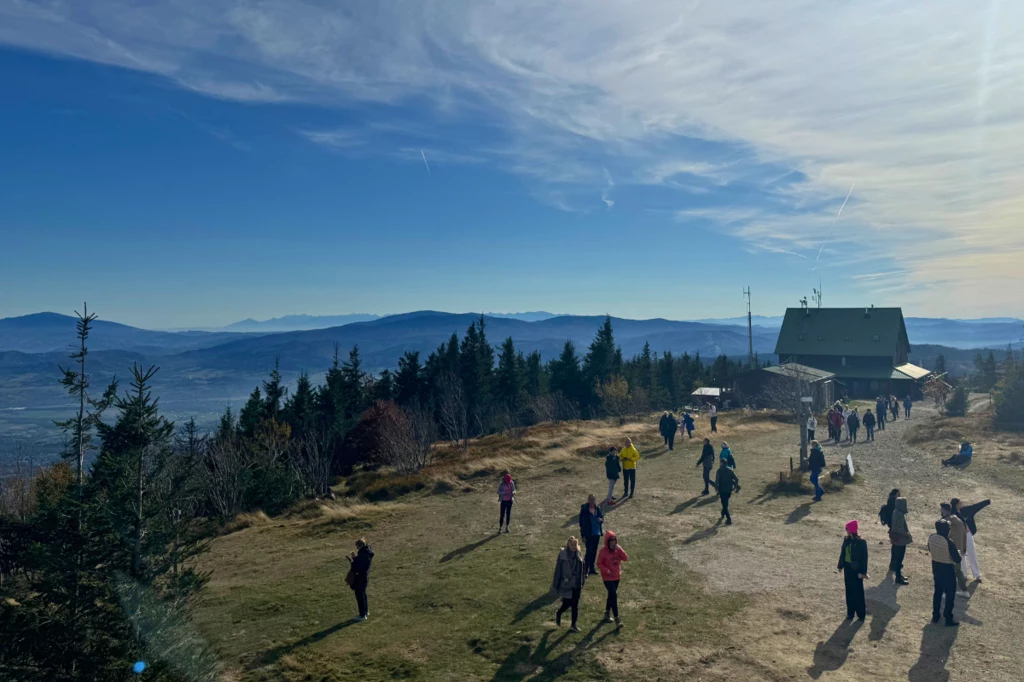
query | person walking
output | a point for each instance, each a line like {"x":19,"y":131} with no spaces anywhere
{"x":629,"y":456}
{"x":610,"y":562}
{"x":962,"y":457}
{"x":713,"y":414}
{"x":570,"y":576}
{"x":880,"y":405}
{"x":899,"y":538}
{"x":612,"y":467}
{"x":967,"y":513}
{"x":835,"y":420}
{"x":846,"y":423}
{"x":816,"y":463}
{"x":812,"y":426}
{"x":361,"y":560}
{"x":958,"y":535}
{"x":869,"y":424}
{"x":707,"y":460}
{"x":688,"y":424}
{"x":894,"y":407}
{"x":671,"y":426}
{"x":907,"y":404}
{"x":506,"y":498}
{"x":591,"y":530}
{"x":853,"y":425}
{"x":726,"y":456}
{"x":726,"y":482}
{"x":944,"y":557}
{"x":663,"y":427}
{"x":853,"y":562}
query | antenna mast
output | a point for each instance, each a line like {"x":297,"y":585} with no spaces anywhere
{"x":817,"y":293}
{"x":750,"y":331}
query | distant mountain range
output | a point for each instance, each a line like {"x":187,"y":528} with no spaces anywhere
{"x":293,"y":323}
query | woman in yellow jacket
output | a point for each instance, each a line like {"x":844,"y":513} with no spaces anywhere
{"x":629,"y":456}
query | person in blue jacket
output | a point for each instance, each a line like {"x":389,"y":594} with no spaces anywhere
{"x":726,"y":456}
{"x":688,"y":423}
{"x":962,"y":457}
{"x":907,"y":404}
{"x":591,"y":530}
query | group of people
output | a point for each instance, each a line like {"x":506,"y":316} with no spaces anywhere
{"x":668,"y":425}
{"x":844,"y":422}
{"x":951,"y":547}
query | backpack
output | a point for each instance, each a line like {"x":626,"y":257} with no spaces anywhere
{"x":885,"y":515}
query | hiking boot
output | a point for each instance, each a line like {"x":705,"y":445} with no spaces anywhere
{"x":506,"y":529}
{"x":935,"y":618}
{"x":573,"y":628}
{"x":360,"y":618}
{"x":901,"y":580}
{"x":607,"y":617}
{"x":558,"y":618}
{"x":950,"y":623}
{"x":618,"y":622}
{"x":728,"y":522}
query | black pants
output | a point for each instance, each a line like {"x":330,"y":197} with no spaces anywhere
{"x":725,"y":507}
{"x":810,"y":435}
{"x":854,"y":594}
{"x":505,"y":513}
{"x":689,"y":432}
{"x":908,"y":412}
{"x":714,"y":425}
{"x":955,"y":461}
{"x":707,"y":479}
{"x":588,"y":560}
{"x":361,"y":601}
{"x":853,"y":434}
{"x":945,"y":584}
{"x":671,"y":439}
{"x":664,"y":437}
{"x":896,"y":556}
{"x":571,"y":603}
{"x":871,"y":432}
{"x":612,"y":603}
{"x":881,"y":420}
{"x":628,"y":481}
{"x":895,"y":413}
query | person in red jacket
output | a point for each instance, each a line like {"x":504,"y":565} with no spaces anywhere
{"x":609,"y":561}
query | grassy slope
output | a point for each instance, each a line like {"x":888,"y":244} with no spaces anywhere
{"x":448,"y":599}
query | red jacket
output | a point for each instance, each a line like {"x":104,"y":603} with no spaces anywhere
{"x":609,"y":562}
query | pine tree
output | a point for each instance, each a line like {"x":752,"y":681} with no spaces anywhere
{"x":300,"y":408}
{"x":251,"y":415}
{"x":274,"y":392}
{"x":353,"y":386}
{"x":940,"y":364}
{"x":603,"y":360}
{"x":410,"y":380}
{"x":534,"y":377}
{"x":509,"y":378}
{"x":566,"y":377}
{"x":384,"y":387}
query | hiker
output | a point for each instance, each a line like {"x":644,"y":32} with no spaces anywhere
{"x":591,"y":522}
{"x":907,"y":404}
{"x":812,"y":426}
{"x":958,"y":535}
{"x":847,"y":413}
{"x":726,"y":456}
{"x":853,"y":562}
{"x":570,"y":576}
{"x":612,"y":467}
{"x":713,"y":413}
{"x":707,"y":460}
{"x":610,"y":562}
{"x":962,"y":457}
{"x":894,"y":407}
{"x":899,"y":538}
{"x":835,"y":421}
{"x":663,"y":427}
{"x":816,"y":462}
{"x":360,"y":571}
{"x":944,"y":557}
{"x":880,"y":405}
{"x":853,"y":425}
{"x":506,"y":498}
{"x":869,"y":424}
{"x":671,"y":426}
{"x":688,"y":424}
{"x":967,"y":513}
{"x":726,"y":481}
{"x":629,"y":456}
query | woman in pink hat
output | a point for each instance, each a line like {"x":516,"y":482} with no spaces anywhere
{"x":853,"y":562}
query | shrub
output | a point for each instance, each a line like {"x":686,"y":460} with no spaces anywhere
{"x":1009,"y":397}
{"x":956,"y":406}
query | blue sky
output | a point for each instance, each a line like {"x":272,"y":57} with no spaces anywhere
{"x":192,"y":164}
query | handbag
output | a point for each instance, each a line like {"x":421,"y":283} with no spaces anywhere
{"x":350,"y":578}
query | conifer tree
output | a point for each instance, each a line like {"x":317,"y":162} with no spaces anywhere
{"x":251,"y":414}
{"x":384,"y":387}
{"x":300,"y":408}
{"x":274,"y":392}
{"x":566,"y":377}
{"x":509,"y":378}
{"x":534,"y":377}
{"x":409,"y":381}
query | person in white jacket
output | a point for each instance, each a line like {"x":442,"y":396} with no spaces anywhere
{"x":812,"y":426}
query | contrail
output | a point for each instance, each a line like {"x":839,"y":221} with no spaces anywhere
{"x":834,"y":221}
{"x":428,"y":170}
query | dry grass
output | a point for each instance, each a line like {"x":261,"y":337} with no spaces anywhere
{"x":247,"y":520}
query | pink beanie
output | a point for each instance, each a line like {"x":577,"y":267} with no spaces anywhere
{"x":852,"y":526}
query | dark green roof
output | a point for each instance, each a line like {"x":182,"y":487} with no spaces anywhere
{"x":851,"y":332}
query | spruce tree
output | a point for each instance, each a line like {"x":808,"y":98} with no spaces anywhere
{"x":353,"y":386}
{"x":509,"y":379}
{"x":566,"y":377}
{"x":534,"y":377}
{"x":251,"y":414}
{"x":409,"y":381}
{"x":300,"y":408}
{"x":274,"y":392}
{"x":384,"y":387}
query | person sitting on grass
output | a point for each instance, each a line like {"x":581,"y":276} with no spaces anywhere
{"x":962,"y":457}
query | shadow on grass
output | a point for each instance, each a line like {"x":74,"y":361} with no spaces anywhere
{"x":803,"y":511}
{"x":538,"y":666}
{"x":463,"y":551}
{"x":882,"y":606}
{"x":698,"y":501}
{"x":272,"y":655}
{"x":546,"y":599}
{"x":704,"y":534}
{"x":831,"y":655}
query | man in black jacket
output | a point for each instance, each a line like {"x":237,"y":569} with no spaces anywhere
{"x":591,"y":530}
{"x":671,"y":426}
{"x":707,"y":460}
{"x":726,"y":481}
{"x":361,"y":561}
{"x":663,"y":427}
{"x":816,"y":463}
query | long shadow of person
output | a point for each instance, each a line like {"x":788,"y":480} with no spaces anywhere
{"x":546,"y":599}
{"x":937,"y":642}
{"x":831,"y":655}
{"x":272,"y":655}
{"x":704,"y":533}
{"x":463,"y":551}
{"x":800,"y":512}
{"x":882,"y":606}
{"x":698,"y":501}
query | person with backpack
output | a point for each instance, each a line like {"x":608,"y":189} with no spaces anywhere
{"x":899,"y":538}
{"x":359,"y":571}
{"x":816,"y":463}
{"x":726,"y":482}
{"x":713,"y":414}
{"x":944,"y":556}
{"x":958,"y":535}
{"x":591,"y":530}
{"x":967,"y":512}
{"x":726,"y":456}
{"x":880,"y":405}
{"x":663,"y":427}
{"x":671,"y":426}
{"x":506,"y":498}
{"x":629,"y":456}
{"x":852,"y":425}
{"x":612,"y":467}
{"x":570,"y":577}
{"x":869,"y":424}
{"x":688,"y":424}
{"x":907,"y":404}
{"x":707,"y":460}
{"x":610,"y":562}
{"x":853,"y":563}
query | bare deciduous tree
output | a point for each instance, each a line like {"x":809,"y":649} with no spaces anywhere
{"x":227,"y":465}
{"x":406,"y":441}
{"x":454,"y":417}
{"x":784,"y":392}
{"x":311,"y":459}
